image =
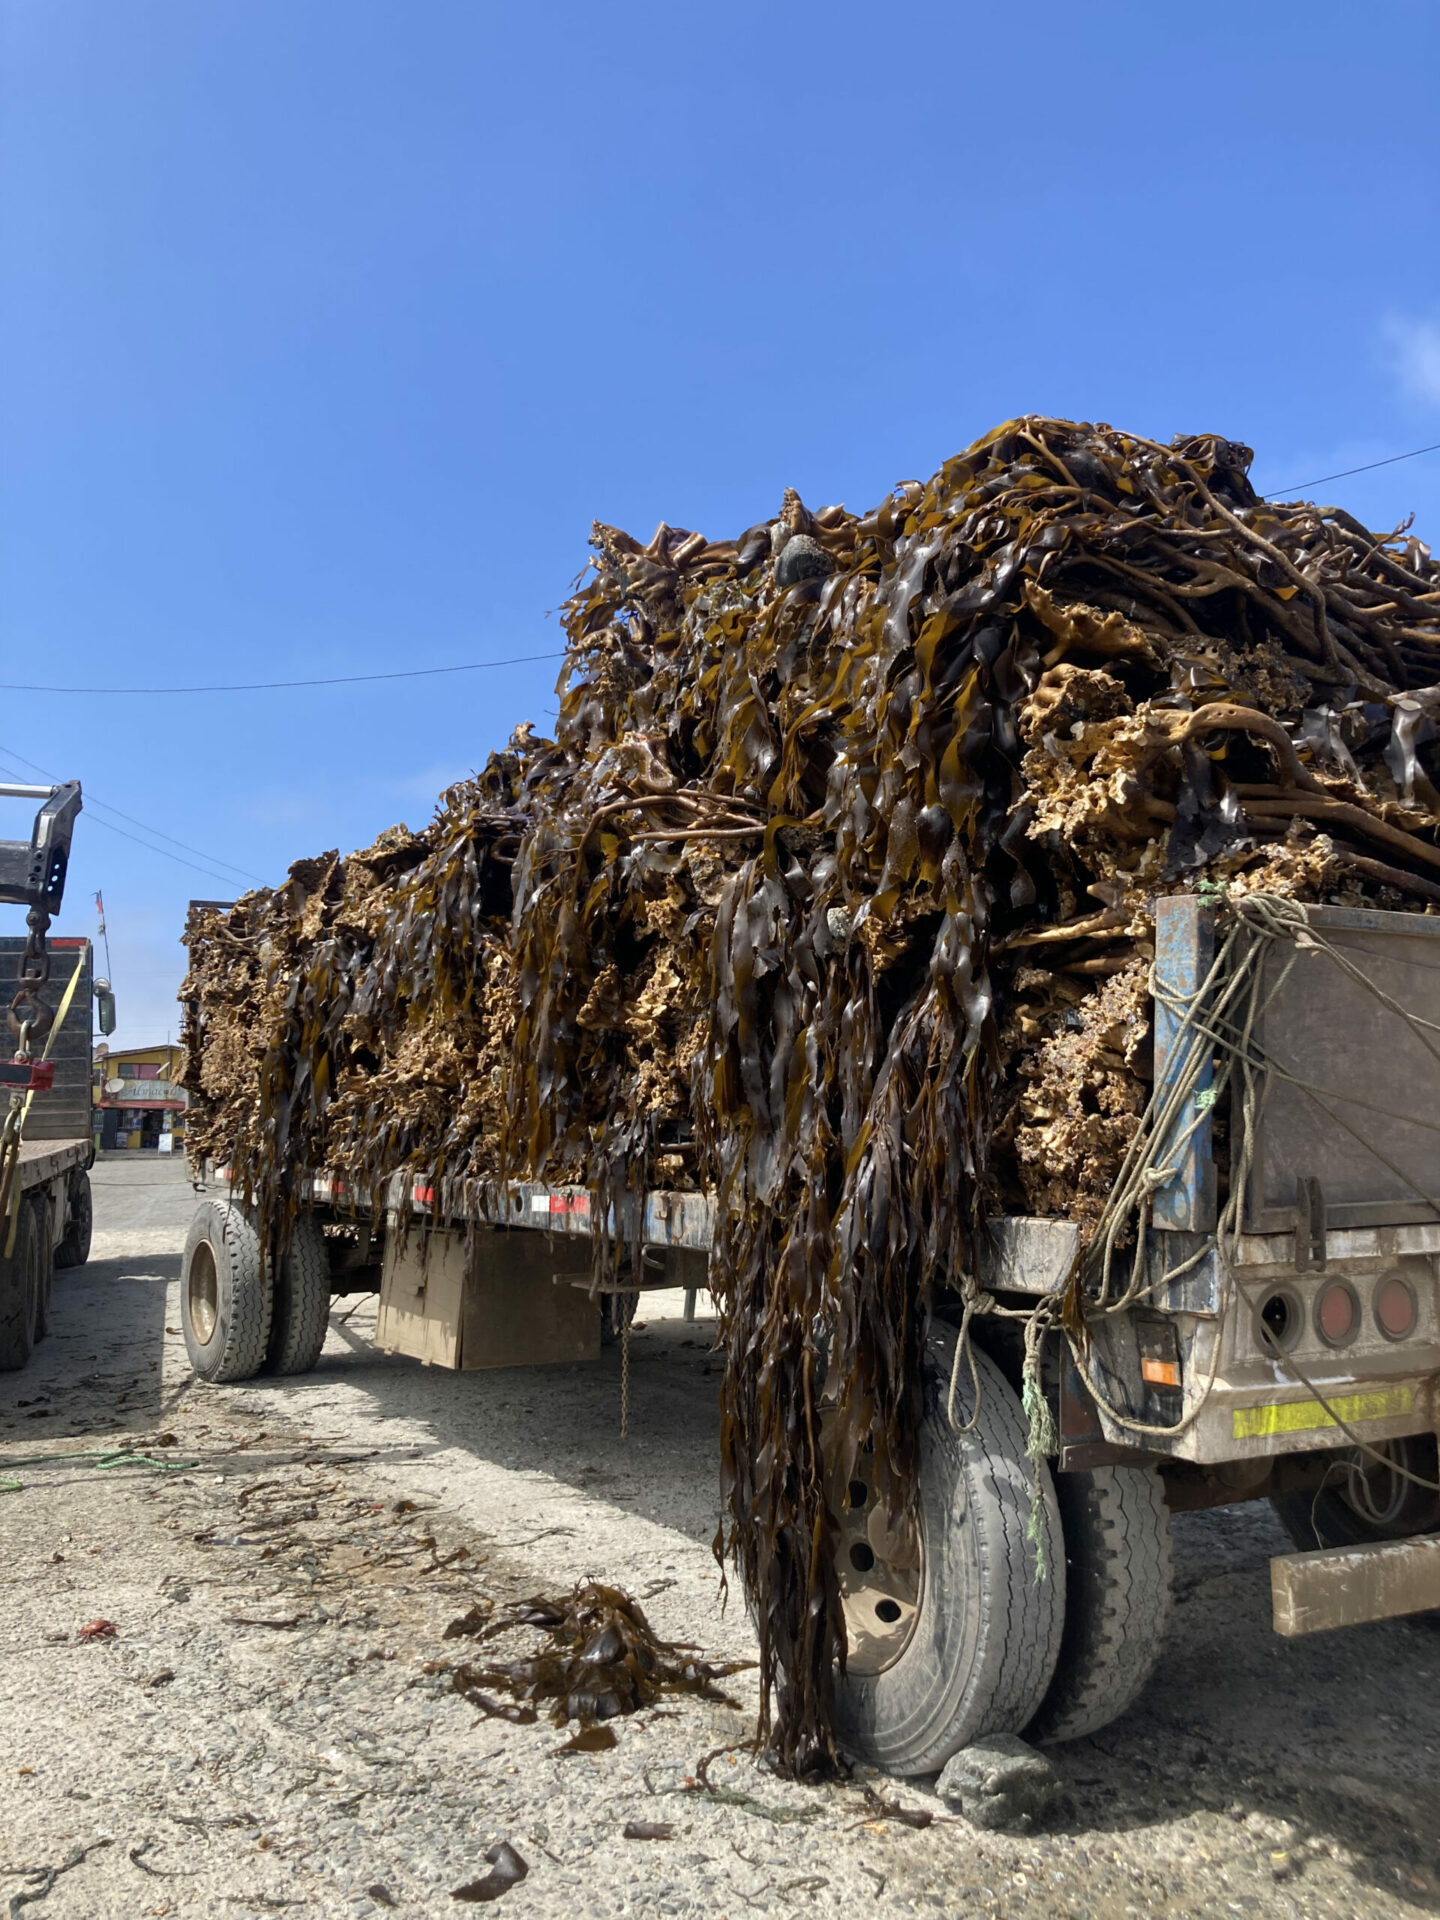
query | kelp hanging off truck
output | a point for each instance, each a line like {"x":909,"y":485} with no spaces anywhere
{"x":833,"y":894}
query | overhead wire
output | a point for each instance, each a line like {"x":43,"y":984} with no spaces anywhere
{"x":280,"y":686}
{"x":93,"y":800}
{"x":223,"y":880}
{"x":1298,"y":486}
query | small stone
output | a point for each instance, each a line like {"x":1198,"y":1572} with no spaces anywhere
{"x":802,"y":558}
{"x":1000,"y":1783}
{"x":1282,"y":1865}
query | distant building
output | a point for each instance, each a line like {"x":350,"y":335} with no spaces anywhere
{"x":138,"y":1101}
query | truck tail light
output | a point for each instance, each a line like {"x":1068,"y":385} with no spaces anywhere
{"x":1337,"y":1314}
{"x":1395,"y":1310}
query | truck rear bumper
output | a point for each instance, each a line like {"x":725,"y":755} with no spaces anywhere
{"x":1346,"y":1586}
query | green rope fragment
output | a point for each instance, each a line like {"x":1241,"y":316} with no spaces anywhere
{"x":103,"y":1462}
{"x":7,"y":1485}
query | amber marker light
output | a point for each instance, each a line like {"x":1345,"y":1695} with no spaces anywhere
{"x":1160,"y":1373}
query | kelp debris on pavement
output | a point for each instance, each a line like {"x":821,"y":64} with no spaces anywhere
{"x":600,"y":1658}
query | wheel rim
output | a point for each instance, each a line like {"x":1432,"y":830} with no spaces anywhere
{"x":202,"y":1292}
{"x":879,"y":1564}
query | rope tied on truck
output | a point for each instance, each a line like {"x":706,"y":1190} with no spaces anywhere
{"x":1216,"y":1032}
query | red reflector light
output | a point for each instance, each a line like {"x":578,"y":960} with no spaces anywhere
{"x":1395,"y":1312}
{"x":1337,"y":1314}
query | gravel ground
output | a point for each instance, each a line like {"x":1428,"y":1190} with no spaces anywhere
{"x":267,"y":1730}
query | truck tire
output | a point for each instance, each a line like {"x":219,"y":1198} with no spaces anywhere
{"x":225,"y":1295}
{"x":42,"y":1203}
{"x":21,"y":1284}
{"x":300,"y":1318}
{"x":1365,"y":1503}
{"x":1118,"y":1569}
{"x":970,"y":1646}
{"x":74,"y":1249}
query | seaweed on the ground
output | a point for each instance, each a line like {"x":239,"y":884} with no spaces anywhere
{"x":599,"y":1658}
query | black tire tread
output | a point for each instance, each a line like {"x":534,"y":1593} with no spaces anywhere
{"x":20,"y":1280}
{"x":1029,"y":1643}
{"x":301,"y":1316}
{"x":1119,"y":1576}
{"x":74,"y":1249}
{"x":1325,"y":1518}
{"x":243,"y":1282}
{"x":1019,"y":1627}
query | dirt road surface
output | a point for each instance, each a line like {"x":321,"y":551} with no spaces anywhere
{"x":269,"y":1728}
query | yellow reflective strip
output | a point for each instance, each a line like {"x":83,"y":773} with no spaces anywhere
{"x":1300,"y":1416}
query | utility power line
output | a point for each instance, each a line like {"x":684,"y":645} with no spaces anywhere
{"x":279,"y":686}
{"x":1299,"y":486}
{"x":224,"y":880}
{"x":93,"y":800}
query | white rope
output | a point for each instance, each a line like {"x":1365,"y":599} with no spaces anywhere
{"x":1207,"y":1023}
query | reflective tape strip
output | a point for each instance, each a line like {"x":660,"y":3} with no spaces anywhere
{"x":1304,"y":1416}
{"x":560,"y":1203}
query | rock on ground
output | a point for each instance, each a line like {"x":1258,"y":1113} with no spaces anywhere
{"x":1000,"y":1783}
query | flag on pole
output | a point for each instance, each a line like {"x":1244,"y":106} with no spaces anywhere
{"x":100,"y":909}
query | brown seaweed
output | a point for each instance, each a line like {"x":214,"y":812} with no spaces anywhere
{"x":600,"y":1658}
{"x":833,"y":894}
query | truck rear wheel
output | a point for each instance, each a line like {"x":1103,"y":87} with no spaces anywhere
{"x":1365,"y":1500}
{"x":1118,"y":1568}
{"x":300,"y":1318}
{"x":74,"y":1249}
{"x":952,"y":1628}
{"x":225,"y":1295}
{"x":22,"y":1280}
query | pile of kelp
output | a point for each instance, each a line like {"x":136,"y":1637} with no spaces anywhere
{"x":833,"y":894}
{"x":599,"y":1658}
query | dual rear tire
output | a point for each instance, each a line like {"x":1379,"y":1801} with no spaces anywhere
{"x":74,"y":1248}
{"x":1009,"y":1606}
{"x":243,"y":1315}
{"x":24,"y":1284}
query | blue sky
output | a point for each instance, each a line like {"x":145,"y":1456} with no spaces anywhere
{"x":326,"y":328}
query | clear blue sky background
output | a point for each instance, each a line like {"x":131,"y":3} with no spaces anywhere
{"x":326,"y":326}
